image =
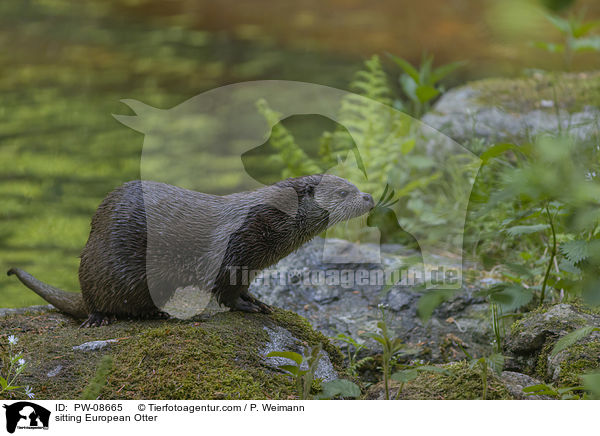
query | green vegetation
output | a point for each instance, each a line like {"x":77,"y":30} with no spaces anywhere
{"x":576,"y":35}
{"x":390,"y":346}
{"x":532,"y":219}
{"x":566,"y":393}
{"x":11,"y":367}
{"x":421,"y":85}
{"x":304,"y":377}
{"x":461,"y":382}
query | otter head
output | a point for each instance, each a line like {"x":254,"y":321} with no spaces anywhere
{"x":341,"y":199}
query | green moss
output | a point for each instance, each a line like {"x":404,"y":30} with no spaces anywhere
{"x":464,"y":383}
{"x":584,"y":308}
{"x":219,"y":358}
{"x":581,"y":358}
{"x":301,"y":328}
{"x":185,"y":362}
{"x":541,"y":368}
{"x":573,"y":91}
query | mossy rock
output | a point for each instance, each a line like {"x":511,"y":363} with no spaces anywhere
{"x":529,"y":345}
{"x":518,"y":109}
{"x":461,"y":383}
{"x":567,"y":366}
{"x":221,"y":357}
{"x":572,"y":92}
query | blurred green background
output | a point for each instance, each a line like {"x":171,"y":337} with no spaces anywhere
{"x":64,"y":66}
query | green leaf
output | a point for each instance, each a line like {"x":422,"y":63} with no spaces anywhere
{"x":3,"y":383}
{"x":407,"y":146}
{"x":377,"y":337}
{"x":431,"y":368}
{"x":440,"y":72}
{"x":288,"y":355}
{"x":549,"y":46}
{"x":480,"y":361}
{"x":540,"y":389}
{"x":568,"y":340}
{"x":521,"y":270}
{"x":425,"y":93}
{"x":585,"y":28}
{"x":292,"y":369}
{"x":560,"y":23}
{"x":343,"y":388}
{"x":526,"y":230}
{"x":576,"y":250}
{"x":397,"y":344}
{"x":496,"y":362}
{"x":409,"y":86}
{"x":406,"y":66}
{"x":512,"y":297}
{"x":430,"y":300}
{"x":569,"y":389}
{"x":591,"y":43}
{"x":496,"y":150}
{"x":425,"y":70}
{"x":405,"y":375}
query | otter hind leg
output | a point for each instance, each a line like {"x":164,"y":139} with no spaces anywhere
{"x":264,"y":307}
{"x":98,"y":319}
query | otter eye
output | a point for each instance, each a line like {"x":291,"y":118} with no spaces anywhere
{"x":343,"y":193}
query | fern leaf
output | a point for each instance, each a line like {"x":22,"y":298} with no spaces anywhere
{"x":572,"y":338}
{"x":575,"y":251}
{"x":525,"y":230}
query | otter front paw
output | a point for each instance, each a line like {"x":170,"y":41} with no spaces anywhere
{"x":244,"y":306}
{"x":97,"y":319}
{"x":264,"y":307}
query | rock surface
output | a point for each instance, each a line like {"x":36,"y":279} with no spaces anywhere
{"x":532,"y":338}
{"x":353,"y":310}
{"x":515,"y":382}
{"x":281,"y":339}
{"x":498,"y":110}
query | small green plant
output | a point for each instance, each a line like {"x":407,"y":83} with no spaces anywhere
{"x":353,"y":363}
{"x":339,"y":388}
{"x":566,"y":393}
{"x":13,"y":365}
{"x":390,"y":347}
{"x":576,"y":35}
{"x":494,"y":361}
{"x":498,"y":326}
{"x":304,"y":377}
{"x":421,"y":85}
{"x":547,"y":212}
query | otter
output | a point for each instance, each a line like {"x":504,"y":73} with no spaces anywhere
{"x":148,"y":239}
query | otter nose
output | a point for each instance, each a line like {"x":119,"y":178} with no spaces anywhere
{"x":369,"y":199}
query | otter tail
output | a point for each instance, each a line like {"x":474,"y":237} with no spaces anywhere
{"x":67,"y":302}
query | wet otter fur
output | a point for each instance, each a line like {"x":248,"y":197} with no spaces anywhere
{"x":147,"y":239}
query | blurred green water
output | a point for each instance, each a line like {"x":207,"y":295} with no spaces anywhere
{"x":63,"y":69}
